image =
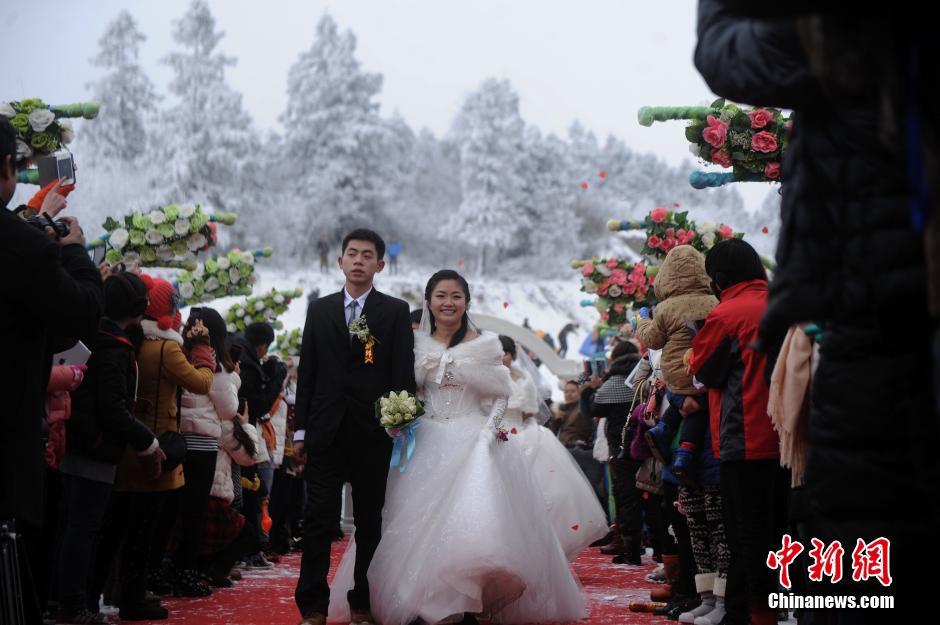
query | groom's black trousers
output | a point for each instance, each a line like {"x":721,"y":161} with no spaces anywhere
{"x":362,"y":460}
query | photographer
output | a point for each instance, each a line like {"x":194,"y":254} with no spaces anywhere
{"x":58,"y":294}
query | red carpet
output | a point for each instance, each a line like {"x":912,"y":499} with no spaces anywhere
{"x":266,"y":597}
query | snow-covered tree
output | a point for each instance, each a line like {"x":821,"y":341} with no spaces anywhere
{"x":335,"y":142}
{"x":208,"y":141}
{"x":549,"y":202}
{"x":489,"y":131}
{"x":126,"y":94}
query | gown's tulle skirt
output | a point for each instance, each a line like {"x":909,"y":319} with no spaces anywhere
{"x":572,"y":504}
{"x":464,"y":531}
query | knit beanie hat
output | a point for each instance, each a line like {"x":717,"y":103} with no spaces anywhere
{"x":733,"y":261}
{"x":164,"y":302}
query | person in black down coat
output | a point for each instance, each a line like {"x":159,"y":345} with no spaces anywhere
{"x":851,"y":256}
{"x":101,"y":426}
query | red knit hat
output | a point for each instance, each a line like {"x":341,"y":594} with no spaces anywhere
{"x":164,"y":302}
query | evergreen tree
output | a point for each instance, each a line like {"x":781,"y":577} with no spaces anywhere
{"x":335,"y":142}
{"x":126,"y":94}
{"x":489,"y":131}
{"x":208,"y":140}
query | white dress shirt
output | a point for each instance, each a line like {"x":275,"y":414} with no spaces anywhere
{"x":360,"y":303}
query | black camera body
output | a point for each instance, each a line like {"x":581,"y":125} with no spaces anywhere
{"x":60,"y":227}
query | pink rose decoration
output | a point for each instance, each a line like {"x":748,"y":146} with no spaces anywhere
{"x":716,"y":133}
{"x":588,"y":269}
{"x":604,"y":286}
{"x":613,"y":263}
{"x":659,"y":214}
{"x":630,"y":289}
{"x":618,"y":276}
{"x":670,"y":232}
{"x":654,"y":242}
{"x":764,"y":142}
{"x":605,"y":316}
{"x":669,"y":243}
{"x":619,"y":308}
{"x":772,"y":171}
{"x":721,"y":157}
{"x":687,"y":238}
{"x":760,"y":118}
{"x":726,"y":232}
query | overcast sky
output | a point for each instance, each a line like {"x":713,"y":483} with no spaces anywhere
{"x":593,"y":60}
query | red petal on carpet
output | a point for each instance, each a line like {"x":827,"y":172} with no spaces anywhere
{"x":266,"y":596}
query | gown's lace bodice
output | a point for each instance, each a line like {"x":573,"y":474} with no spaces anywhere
{"x":465,"y":381}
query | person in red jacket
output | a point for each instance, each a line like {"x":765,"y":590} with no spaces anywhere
{"x":753,"y":486}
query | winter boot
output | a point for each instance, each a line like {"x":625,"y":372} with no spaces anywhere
{"x":716,"y":616}
{"x":704,"y":583}
{"x":667,"y":591}
{"x":679,"y":604}
{"x":615,"y":547}
{"x":631,"y":554}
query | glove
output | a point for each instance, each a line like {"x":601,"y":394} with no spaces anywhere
{"x":36,"y":201}
{"x":252,"y":485}
{"x":644,"y":313}
{"x":201,"y":355}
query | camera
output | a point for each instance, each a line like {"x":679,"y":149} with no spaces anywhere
{"x":60,"y":166}
{"x":42,"y":221}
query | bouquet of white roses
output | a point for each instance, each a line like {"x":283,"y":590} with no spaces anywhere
{"x":264,"y":308}
{"x":396,"y":411}
{"x":220,"y":276}
{"x":40,"y":128}
{"x":165,"y":234}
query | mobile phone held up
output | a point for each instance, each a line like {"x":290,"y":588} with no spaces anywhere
{"x":58,"y":166}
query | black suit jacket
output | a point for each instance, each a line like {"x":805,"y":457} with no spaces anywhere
{"x":335,"y":383}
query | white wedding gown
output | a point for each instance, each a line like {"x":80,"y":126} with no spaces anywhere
{"x":464,"y":526}
{"x":573,"y":508}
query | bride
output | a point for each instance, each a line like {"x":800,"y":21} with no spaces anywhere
{"x":464,"y":525}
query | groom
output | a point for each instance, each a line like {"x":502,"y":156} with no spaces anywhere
{"x":338,"y":435}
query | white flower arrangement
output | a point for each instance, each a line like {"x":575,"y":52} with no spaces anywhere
{"x":288,"y":344}
{"x":168,"y":225}
{"x":266,"y":308}
{"x":209,"y":281}
{"x":39,"y":128}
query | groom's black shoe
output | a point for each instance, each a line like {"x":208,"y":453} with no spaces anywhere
{"x":469,"y":619}
{"x":314,"y":618}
